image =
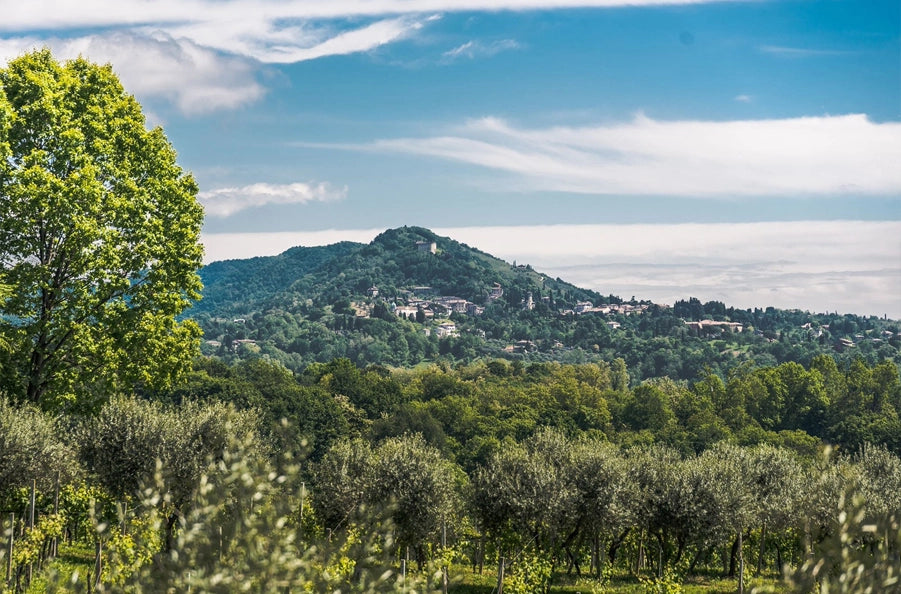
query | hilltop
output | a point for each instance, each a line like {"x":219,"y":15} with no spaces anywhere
{"x":411,"y":296}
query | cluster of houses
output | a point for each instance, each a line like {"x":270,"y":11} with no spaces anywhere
{"x":707,"y":325}
{"x":625,"y":309}
{"x":422,"y":299}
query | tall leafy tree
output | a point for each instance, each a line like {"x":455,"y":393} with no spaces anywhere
{"x":98,"y":238}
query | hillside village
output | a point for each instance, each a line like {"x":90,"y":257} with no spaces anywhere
{"x":456,"y":302}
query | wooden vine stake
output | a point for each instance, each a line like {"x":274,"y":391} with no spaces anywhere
{"x":12,"y":541}
{"x":54,"y":544}
{"x":31,"y":505}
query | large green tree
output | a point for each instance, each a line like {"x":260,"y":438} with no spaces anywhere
{"x":98,"y":237}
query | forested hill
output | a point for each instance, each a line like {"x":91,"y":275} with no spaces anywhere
{"x":394,"y":262}
{"x":237,"y":285}
{"x":411,"y":296}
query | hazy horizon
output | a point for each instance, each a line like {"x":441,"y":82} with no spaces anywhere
{"x":663,"y":263}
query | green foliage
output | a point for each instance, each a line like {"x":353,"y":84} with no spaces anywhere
{"x":123,"y":443}
{"x":231,"y":285}
{"x":320,"y":314}
{"x":32,"y":449}
{"x":545,"y":483}
{"x":84,"y":505}
{"x":27,"y":550}
{"x":420,"y":486}
{"x":859,"y":554}
{"x":530,"y":574}
{"x":239,"y":535}
{"x":403,"y":477}
{"x":668,"y":583}
{"x":129,"y":547}
{"x":99,"y":238}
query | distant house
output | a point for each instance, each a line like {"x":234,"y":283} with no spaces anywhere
{"x":373,"y":291}
{"x":528,"y":303}
{"x":405,"y":311}
{"x":524,"y":346}
{"x":427,"y":246}
{"x":474,"y":310}
{"x":583,"y":306}
{"x":452,"y":303}
{"x":706,"y":325}
{"x":496,"y":292}
{"x":446,"y":329}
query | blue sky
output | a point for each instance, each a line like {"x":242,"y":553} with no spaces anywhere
{"x":750,"y":150}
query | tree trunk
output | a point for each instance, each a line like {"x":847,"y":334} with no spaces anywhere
{"x":639,"y":561}
{"x":660,"y":543}
{"x":762,"y":551}
{"x":170,"y":531}
{"x":615,"y":543}
{"x":741,"y":565}
{"x":733,"y":558}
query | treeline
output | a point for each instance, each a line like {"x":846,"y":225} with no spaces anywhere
{"x":542,"y":470}
{"x":471,"y":411}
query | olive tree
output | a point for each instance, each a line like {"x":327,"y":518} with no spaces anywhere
{"x":126,"y":443}
{"x":419,"y":483}
{"x":606,"y":499}
{"x":98,"y":238}
{"x":31,"y":449}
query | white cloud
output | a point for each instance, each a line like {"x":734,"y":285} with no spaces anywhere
{"x":62,"y":14}
{"x":225,"y":202}
{"x":831,"y":155}
{"x":204,"y":54}
{"x":196,"y":79}
{"x":800,"y":52}
{"x":279,"y":43}
{"x":743,"y":98}
{"x":477,"y":49}
{"x":845,"y":266}
{"x":275,"y":31}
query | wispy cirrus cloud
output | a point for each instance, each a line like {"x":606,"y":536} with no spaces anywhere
{"x":830,"y":155}
{"x":801,"y":52}
{"x":61,"y":14}
{"x":477,"y":49}
{"x":292,"y":41}
{"x":216,"y":49}
{"x":224,"y":202}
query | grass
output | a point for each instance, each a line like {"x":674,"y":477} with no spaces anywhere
{"x":76,"y":557}
{"x":466,"y":582}
{"x":80,"y":557}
